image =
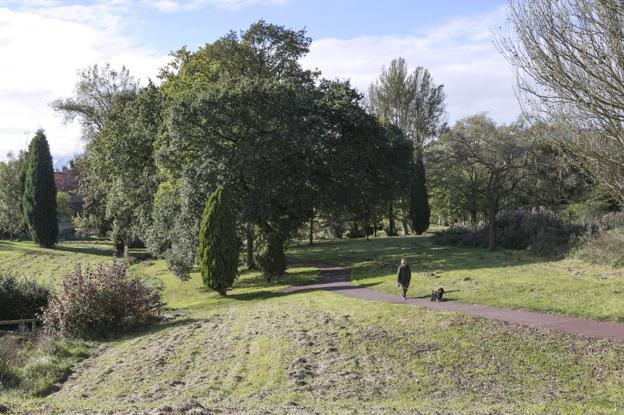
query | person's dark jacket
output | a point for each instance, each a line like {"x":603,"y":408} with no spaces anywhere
{"x":404,"y":275}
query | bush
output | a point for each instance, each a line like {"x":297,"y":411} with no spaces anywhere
{"x":605,"y":247}
{"x":270,"y":255}
{"x":100,"y":301}
{"x":21,"y":298}
{"x":540,"y":231}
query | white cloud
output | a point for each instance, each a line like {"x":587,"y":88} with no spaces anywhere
{"x":43,"y":48}
{"x":167,"y":6}
{"x":459,"y":54}
{"x":44,"y":44}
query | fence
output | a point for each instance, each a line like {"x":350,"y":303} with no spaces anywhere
{"x":21,"y":324}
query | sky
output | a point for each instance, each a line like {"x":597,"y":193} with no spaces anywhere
{"x":44,"y":44}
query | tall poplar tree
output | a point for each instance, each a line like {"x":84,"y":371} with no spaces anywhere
{"x":415,"y":104}
{"x":39,"y":195}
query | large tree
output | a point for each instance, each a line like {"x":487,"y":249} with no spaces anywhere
{"x":415,"y":104}
{"x":241,"y":114}
{"x":500,"y":153}
{"x":122,"y":157}
{"x":101,"y":96}
{"x":11,"y":214}
{"x":411,"y":101}
{"x":569,"y":56}
{"x":39,"y":192}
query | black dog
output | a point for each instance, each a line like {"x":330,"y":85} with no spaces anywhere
{"x":436,"y":295}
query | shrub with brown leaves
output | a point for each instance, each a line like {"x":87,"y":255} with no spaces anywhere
{"x":100,"y":301}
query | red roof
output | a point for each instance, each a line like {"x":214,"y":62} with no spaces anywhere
{"x":65,"y":180}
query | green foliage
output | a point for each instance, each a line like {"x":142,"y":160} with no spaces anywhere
{"x":21,"y":298}
{"x":410,"y":101}
{"x":39,"y":197}
{"x":99,"y":302}
{"x":419,"y":199}
{"x":96,"y":90}
{"x":495,"y":158}
{"x":64,"y":206}
{"x":269,"y":255}
{"x":11,"y":215}
{"x":174,"y":231}
{"x":219,"y":246}
{"x":414,"y":104}
{"x":117,"y":173}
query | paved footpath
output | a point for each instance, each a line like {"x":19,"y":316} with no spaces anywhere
{"x":334,"y":279}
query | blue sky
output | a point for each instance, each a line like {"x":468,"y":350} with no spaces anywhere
{"x":48,"y":41}
{"x":322,"y":18}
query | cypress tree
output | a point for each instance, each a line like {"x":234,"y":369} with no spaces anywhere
{"x":419,"y":199}
{"x":219,"y":245}
{"x":39,"y":192}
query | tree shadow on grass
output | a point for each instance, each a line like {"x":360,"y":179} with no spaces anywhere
{"x":152,"y":328}
{"x":381,"y":257}
{"x":90,"y":250}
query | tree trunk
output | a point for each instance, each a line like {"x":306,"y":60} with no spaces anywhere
{"x":119,"y":247}
{"x":405,"y":227}
{"x":492,"y":234}
{"x":473,"y":217}
{"x":250,"y":247}
{"x":126,"y":249}
{"x":493,"y":210}
{"x":391,"y":224}
{"x":311,"y":230}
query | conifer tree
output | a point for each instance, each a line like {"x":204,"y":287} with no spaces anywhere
{"x":219,"y":245}
{"x":419,"y":199}
{"x":39,"y":192}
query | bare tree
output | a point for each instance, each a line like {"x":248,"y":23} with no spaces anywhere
{"x":569,"y":58}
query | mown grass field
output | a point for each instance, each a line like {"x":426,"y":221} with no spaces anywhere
{"x":25,"y":259}
{"x":261,"y":351}
{"x":513,"y":279}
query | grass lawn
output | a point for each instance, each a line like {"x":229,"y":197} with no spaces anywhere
{"x":48,"y":265}
{"x":260,"y":351}
{"x":512,"y":279}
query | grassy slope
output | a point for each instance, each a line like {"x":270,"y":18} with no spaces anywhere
{"x":317,"y":351}
{"x":46,"y":265}
{"x":320,"y":351}
{"x":505,"y":279}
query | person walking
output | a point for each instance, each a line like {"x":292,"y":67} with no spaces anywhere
{"x":404,"y":276}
